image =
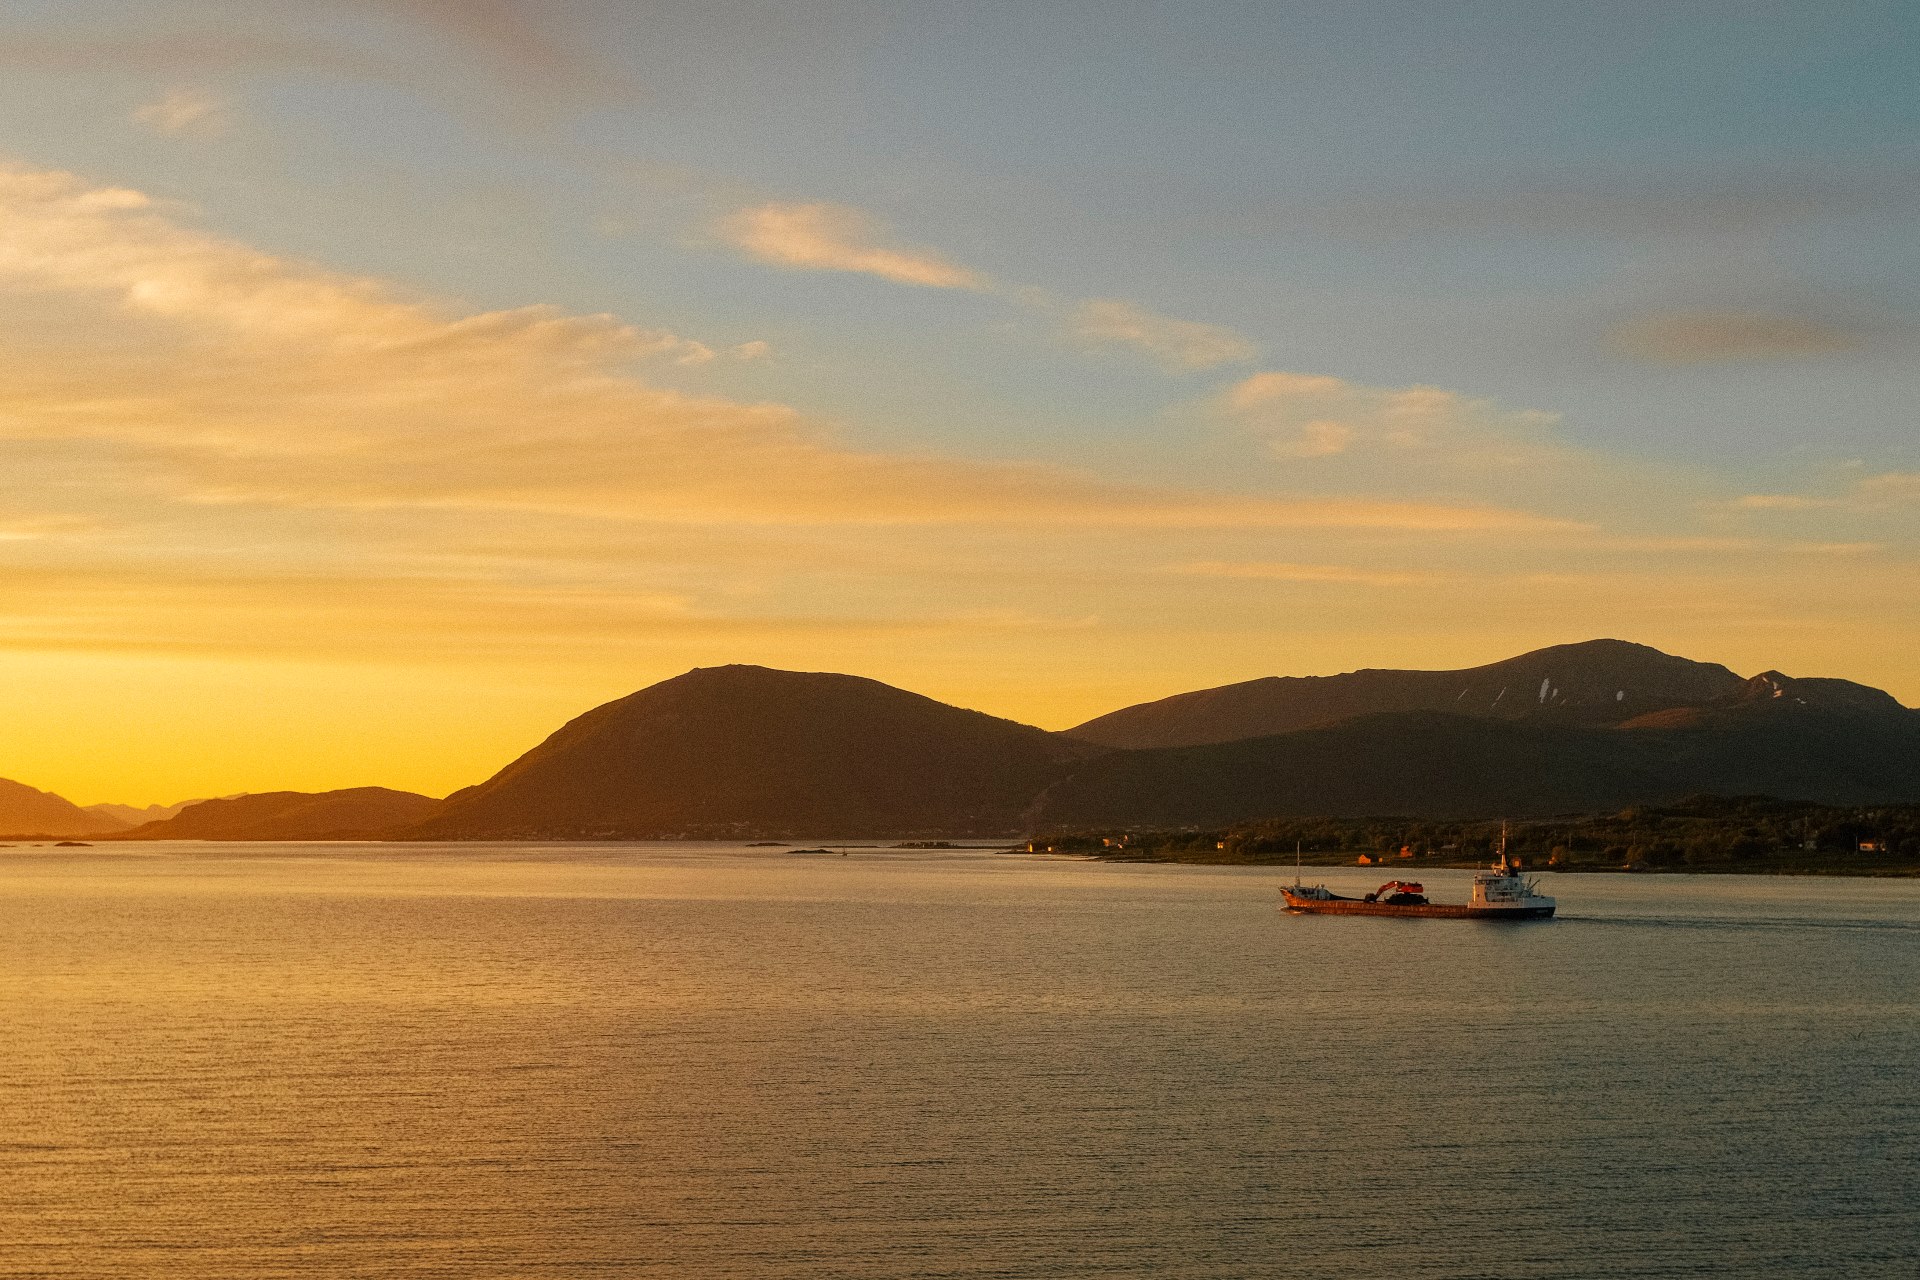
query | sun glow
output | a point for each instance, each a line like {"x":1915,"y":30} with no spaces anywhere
{"x":266,"y":524}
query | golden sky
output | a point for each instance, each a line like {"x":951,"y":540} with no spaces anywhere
{"x":308,"y":482}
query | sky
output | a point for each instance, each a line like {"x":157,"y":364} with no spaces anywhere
{"x":385,"y":382}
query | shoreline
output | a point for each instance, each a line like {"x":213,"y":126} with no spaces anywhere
{"x":1394,"y":866}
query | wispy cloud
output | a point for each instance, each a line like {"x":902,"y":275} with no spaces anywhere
{"x":1781,"y":502}
{"x":1879,"y":491}
{"x":834,"y":237}
{"x":1285,"y":571}
{"x":305,"y":387}
{"x":1714,"y":206}
{"x":522,"y":47}
{"x":278,"y":458}
{"x":1892,"y":487}
{"x":1708,"y":336}
{"x":186,"y":112}
{"x":1177,"y":344}
{"x":520,"y":39}
{"x":1316,"y":416}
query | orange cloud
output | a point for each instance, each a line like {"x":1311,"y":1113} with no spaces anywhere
{"x":289,"y":384}
{"x":1780,"y":502}
{"x":1316,"y":416}
{"x":833,"y":237}
{"x":1282,"y":571}
{"x":212,"y":456}
{"x":1882,"y":492}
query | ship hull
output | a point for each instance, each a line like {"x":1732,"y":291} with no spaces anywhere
{"x":1420,"y":911}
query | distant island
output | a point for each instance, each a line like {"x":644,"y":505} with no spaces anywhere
{"x":1602,"y":727}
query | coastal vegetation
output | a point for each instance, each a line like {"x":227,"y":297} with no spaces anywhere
{"x":1746,"y":834}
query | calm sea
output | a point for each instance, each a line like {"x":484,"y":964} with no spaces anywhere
{"x":701,"y":1061}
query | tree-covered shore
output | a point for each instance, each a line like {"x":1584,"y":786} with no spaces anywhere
{"x":1748,"y":835}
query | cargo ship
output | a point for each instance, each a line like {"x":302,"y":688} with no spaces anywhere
{"x":1500,"y":892}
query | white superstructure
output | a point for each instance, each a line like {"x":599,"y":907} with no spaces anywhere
{"x":1502,"y":887}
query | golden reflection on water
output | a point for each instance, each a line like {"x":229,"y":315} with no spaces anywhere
{"x":673,"y":1061}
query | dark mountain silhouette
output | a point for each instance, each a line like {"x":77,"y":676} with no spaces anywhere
{"x":1822,"y":741}
{"x":737,"y":751}
{"x":357,"y":813}
{"x":744,"y":751}
{"x":741,"y":749}
{"x":1408,"y":763}
{"x":25,"y":811}
{"x":132,"y":816}
{"x":1596,"y":682}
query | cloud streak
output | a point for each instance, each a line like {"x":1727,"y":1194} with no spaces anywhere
{"x":1178,"y":345}
{"x":262,"y":380}
{"x":834,"y":237}
{"x":1899,"y":488}
{"x":1309,"y":416}
{"x":516,"y":42}
{"x":185,"y":112}
{"x":1885,"y":491}
{"x":208,"y":451}
{"x":1286,"y":571}
{"x":516,"y":37}
{"x":1707,"y":336}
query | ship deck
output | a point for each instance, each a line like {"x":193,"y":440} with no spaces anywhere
{"x":1426,"y":911}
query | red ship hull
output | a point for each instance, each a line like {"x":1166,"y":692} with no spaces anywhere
{"x":1423,"y":910}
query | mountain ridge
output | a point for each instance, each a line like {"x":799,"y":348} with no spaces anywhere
{"x":1592,"y":681}
{"x":135,"y":815}
{"x":749,"y":751}
{"x":740,"y":750}
{"x":723,"y":750}
{"x":351,"y":813}
{"x":1428,"y":764}
{"x":27,"y":812}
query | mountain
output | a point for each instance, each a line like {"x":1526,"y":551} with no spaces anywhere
{"x":747,"y":751}
{"x":737,"y":751}
{"x":1595,"y":682}
{"x":1809,"y":740}
{"x":25,"y":811}
{"x":357,"y":813}
{"x":129,"y":816}
{"x":1407,"y":763}
{"x":742,"y":750}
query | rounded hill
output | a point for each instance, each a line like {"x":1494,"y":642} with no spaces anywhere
{"x":733,"y":750}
